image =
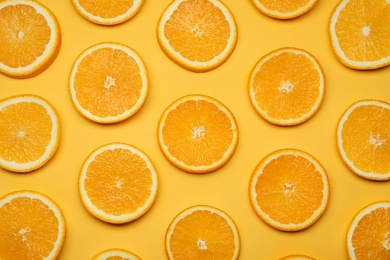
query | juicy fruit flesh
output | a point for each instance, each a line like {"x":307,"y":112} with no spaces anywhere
{"x":283,"y":6}
{"x":106,"y":9}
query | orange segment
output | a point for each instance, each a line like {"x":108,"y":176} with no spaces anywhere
{"x":284,"y":9}
{"x":202,"y":232}
{"x":363,"y":135}
{"x":289,"y":190}
{"x":116,"y":254}
{"x":286,"y":86}
{"x":32,"y":226}
{"x":198,"y":35}
{"x":29,"y":132}
{"x":360,"y":34}
{"x":118,"y":183}
{"x":30,"y":38}
{"x":197,"y":134}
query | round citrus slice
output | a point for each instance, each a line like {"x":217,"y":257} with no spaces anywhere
{"x":116,"y":254}
{"x":30,"y":38}
{"x":359,"y":33}
{"x":118,"y":183}
{"x":289,"y":190}
{"x":297,"y":257}
{"x":197,"y":134}
{"x":285,"y":9}
{"x":108,"y":82}
{"x":202,"y":232}
{"x":29,"y":132}
{"x":32,"y":226}
{"x":198,"y":35}
{"x":363,"y":139}
{"x":107,"y":12}
{"x":368,"y":236}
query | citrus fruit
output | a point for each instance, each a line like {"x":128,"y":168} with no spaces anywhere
{"x":197,"y":134}
{"x":286,"y":86}
{"x":107,"y":12}
{"x":108,"y":82}
{"x":368,"y":236}
{"x":297,"y":257}
{"x":29,"y":132}
{"x":363,"y":139}
{"x":202,"y":232}
{"x":289,"y":189}
{"x":30,"y":38}
{"x":198,"y":35}
{"x":118,"y":183}
{"x":116,"y":254}
{"x":32,"y":226}
{"x":359,"y":33}
{"x":285,"y":9}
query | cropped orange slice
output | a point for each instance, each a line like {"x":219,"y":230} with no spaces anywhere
{"x":197,"y":134}
{"x":116,"y":254}
{"x":363,"y":139}
{"x":107,"y":12}
{"x":108,"y":82}
{"x":297,"y":257}
{"x":284,"y":9}
{"x":29,"y":132}
{"x":360,"y":35}
{"x":202,"y":232}
{"x":289,"y":190}
{"x":32,"y":226}
{"x":118,"y":183}
{"x":368,"y":236}
{"x":30,"y":38}
{"x":198,"y":35}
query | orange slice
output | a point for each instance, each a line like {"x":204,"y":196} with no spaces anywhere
{"x":116,"y":254}
{"x":118,"y":183}
{"x":286,"y":86}
{"x":202,"y":232}
{"x":368,"y":236}
{"x":197,"y":134}
{"x":30,"y":38}
{"x":29,"y":132}
{"x":199,"y":35}
{"x":363,"y":139}
{"x":107,"y":12}
{"x":359,"y":33}
{"x":284,"y":9}
{"x":108,"y":82}
{"x":32,"y":226}
{"x":297,"y":257}
{"x":289,"y":190}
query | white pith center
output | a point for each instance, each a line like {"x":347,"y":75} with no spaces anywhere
{"x":118,"y":183}
{"x":286,"y":86}
{"x":110,"y":81}
{"x":22,"y":233}
{"x":366,"y":30}
{"x":196,"y":31}
{"x":386,"y":241}
{"x":20,"y":34}
{"x":201,"y":244}
{"x":198,"y":132}
{"x":375,"y":139}
{"x":288,"y":188}
{"x":21,"y":134}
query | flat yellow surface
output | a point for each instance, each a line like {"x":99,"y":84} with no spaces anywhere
{"x":227,"y":188}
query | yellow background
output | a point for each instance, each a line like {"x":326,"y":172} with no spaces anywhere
{"x":226,"y":188}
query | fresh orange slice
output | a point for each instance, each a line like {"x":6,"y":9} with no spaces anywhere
{"x":368,"y":236}
{"x":29,"y":132}
{"x":197,"y":134}
{"x":118,"y":183}
{"x":116,"y":254}
{"x":30,"y":38}
{"x":363,"y":139}
{"x":359,"y":33}
{"x":107,"y":12}
{"x":284,"y":9}
{"x":202,"y":232}
{"x":108,"y":82}
{"x":32,"y":226}
{"x":286,"y":86}
{"x":297,"y":257}
{"x":289,"y":190}
{"x":199,"y":35}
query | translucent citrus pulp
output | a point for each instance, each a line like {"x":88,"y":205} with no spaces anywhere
{"x":198,"y":35}
{"x":108,"y":82}
{"x":118,"y":183}
{"x":363,"y":139}
{"x":29,"y":132}
{"x":360,"y":34}
{"x":197,"y":134}
{"x":32,"y":226}
{"x":286,"y":86}
{"x":202,"y":232}
{"x":116,"y":254}
{"x":284,"y":9}
{"x":297,"y":257}
{"x":107,"y":12}
{"x":368,"y":236}
{"x":30,"y":38}
{"x":289,"y":190}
